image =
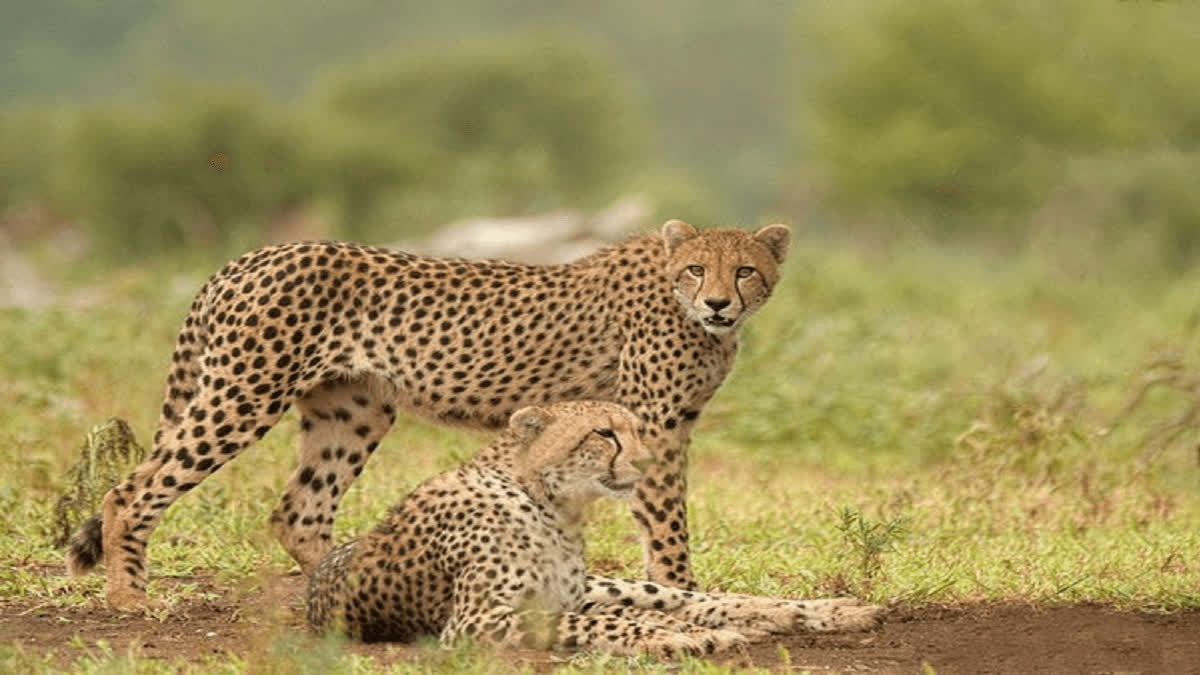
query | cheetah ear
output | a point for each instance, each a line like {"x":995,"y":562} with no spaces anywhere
{"x":528,"y":423}
{"x":675,"y":232}
{"x":776,"y":238}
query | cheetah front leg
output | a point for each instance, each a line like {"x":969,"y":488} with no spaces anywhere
{"x":341,"y":424}
{"x":659,"y":503}
{"x":753,"y":616}
{"x":659,"y":507}
{"x":711,"y":639}
{"x":765,"y":616}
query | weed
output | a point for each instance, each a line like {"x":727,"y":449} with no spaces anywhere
{"x":869,"y":539}
{"x":109,"y":451}
{"x":1179,"y":377}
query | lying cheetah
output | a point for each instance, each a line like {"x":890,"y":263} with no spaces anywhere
{"x":492,"y":551}
{"x":349,"y":334}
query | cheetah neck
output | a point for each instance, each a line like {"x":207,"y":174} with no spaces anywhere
{"x":567,"y":505}
{"x":542,"y":488}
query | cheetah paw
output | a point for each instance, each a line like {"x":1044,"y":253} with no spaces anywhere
{"x":671,"y":645}
{"x":132,"y":602}
{"x":719,"y":639}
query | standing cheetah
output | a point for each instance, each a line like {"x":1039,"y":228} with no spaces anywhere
{"x":492,"y":551}
{"x":349,"y":334}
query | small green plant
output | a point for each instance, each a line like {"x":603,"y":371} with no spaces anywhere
{"x":110,"y":450}
{"x":870,"y":539}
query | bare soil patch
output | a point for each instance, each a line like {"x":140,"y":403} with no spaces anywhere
{"x":1006,"y":638}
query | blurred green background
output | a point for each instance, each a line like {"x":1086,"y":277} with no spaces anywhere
{"x":1017,"y":124}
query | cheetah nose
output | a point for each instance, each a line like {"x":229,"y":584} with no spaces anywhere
{"x":717,"y":304}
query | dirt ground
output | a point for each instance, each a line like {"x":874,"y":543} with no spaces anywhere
{"x":967,"y":639}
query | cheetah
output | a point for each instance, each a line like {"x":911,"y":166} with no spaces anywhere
{"x":351,"y":334}
{"x":492,"y":552}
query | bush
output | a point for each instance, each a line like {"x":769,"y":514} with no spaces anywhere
{"x":30,"y":147}
{"x":196,"y":168}
{"x":498,"y":127}
{"x":1144,"y":205}
{"x":965,"y":113}
{"x":502,"y":126}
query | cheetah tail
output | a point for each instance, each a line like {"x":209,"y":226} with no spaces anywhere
{"x":86,"y":547}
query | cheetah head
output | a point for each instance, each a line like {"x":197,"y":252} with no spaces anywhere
{"x":723,"y":276}
{"x":580,"y":450}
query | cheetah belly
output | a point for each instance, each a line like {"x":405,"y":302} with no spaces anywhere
{"x":484,"y":396}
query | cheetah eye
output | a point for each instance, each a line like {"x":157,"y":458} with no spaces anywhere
{"x":606,"y":433}
{"x":695,"y":270}
{"x":743,"y":272}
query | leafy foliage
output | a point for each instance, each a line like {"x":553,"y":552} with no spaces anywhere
{"x":965,"y":113}
{"x":191,"y":171}
{"x":501,"y":127}
{"x":709,"y":73}
{"x":869,"y":539}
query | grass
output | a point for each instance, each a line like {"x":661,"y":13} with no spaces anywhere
{"x":913,"y":425}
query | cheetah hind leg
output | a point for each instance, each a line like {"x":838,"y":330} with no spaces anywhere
{"x":182,"y":458}
{"x":341,"y":424}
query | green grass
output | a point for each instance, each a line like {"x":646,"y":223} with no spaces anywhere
{"x":971,"y":399}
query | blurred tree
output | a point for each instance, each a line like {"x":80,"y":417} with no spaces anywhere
{"x":30,"y":149}
{"x":964,"y":113}
{"x":503,"y":126}
{"x":196,"y":168}
{"x":490,"y":126}
{"x":710,"y":71}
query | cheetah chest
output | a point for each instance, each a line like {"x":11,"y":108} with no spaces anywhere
{"x":557,"y":572}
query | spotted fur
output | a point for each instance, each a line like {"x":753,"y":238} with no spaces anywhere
{"x":351,"y":334}
{"x":492,"y":551}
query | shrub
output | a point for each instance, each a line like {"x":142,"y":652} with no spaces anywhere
{"x":502,"y":126}
{"x":195,"y":168}
{"x":1143,"y":204}
{"x":965,"y":113}
{"x":30,"y":147}
{"x":495,"y":127}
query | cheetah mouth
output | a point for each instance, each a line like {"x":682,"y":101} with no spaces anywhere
{"x":719,"y":322}
{"x":618,"y":487}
